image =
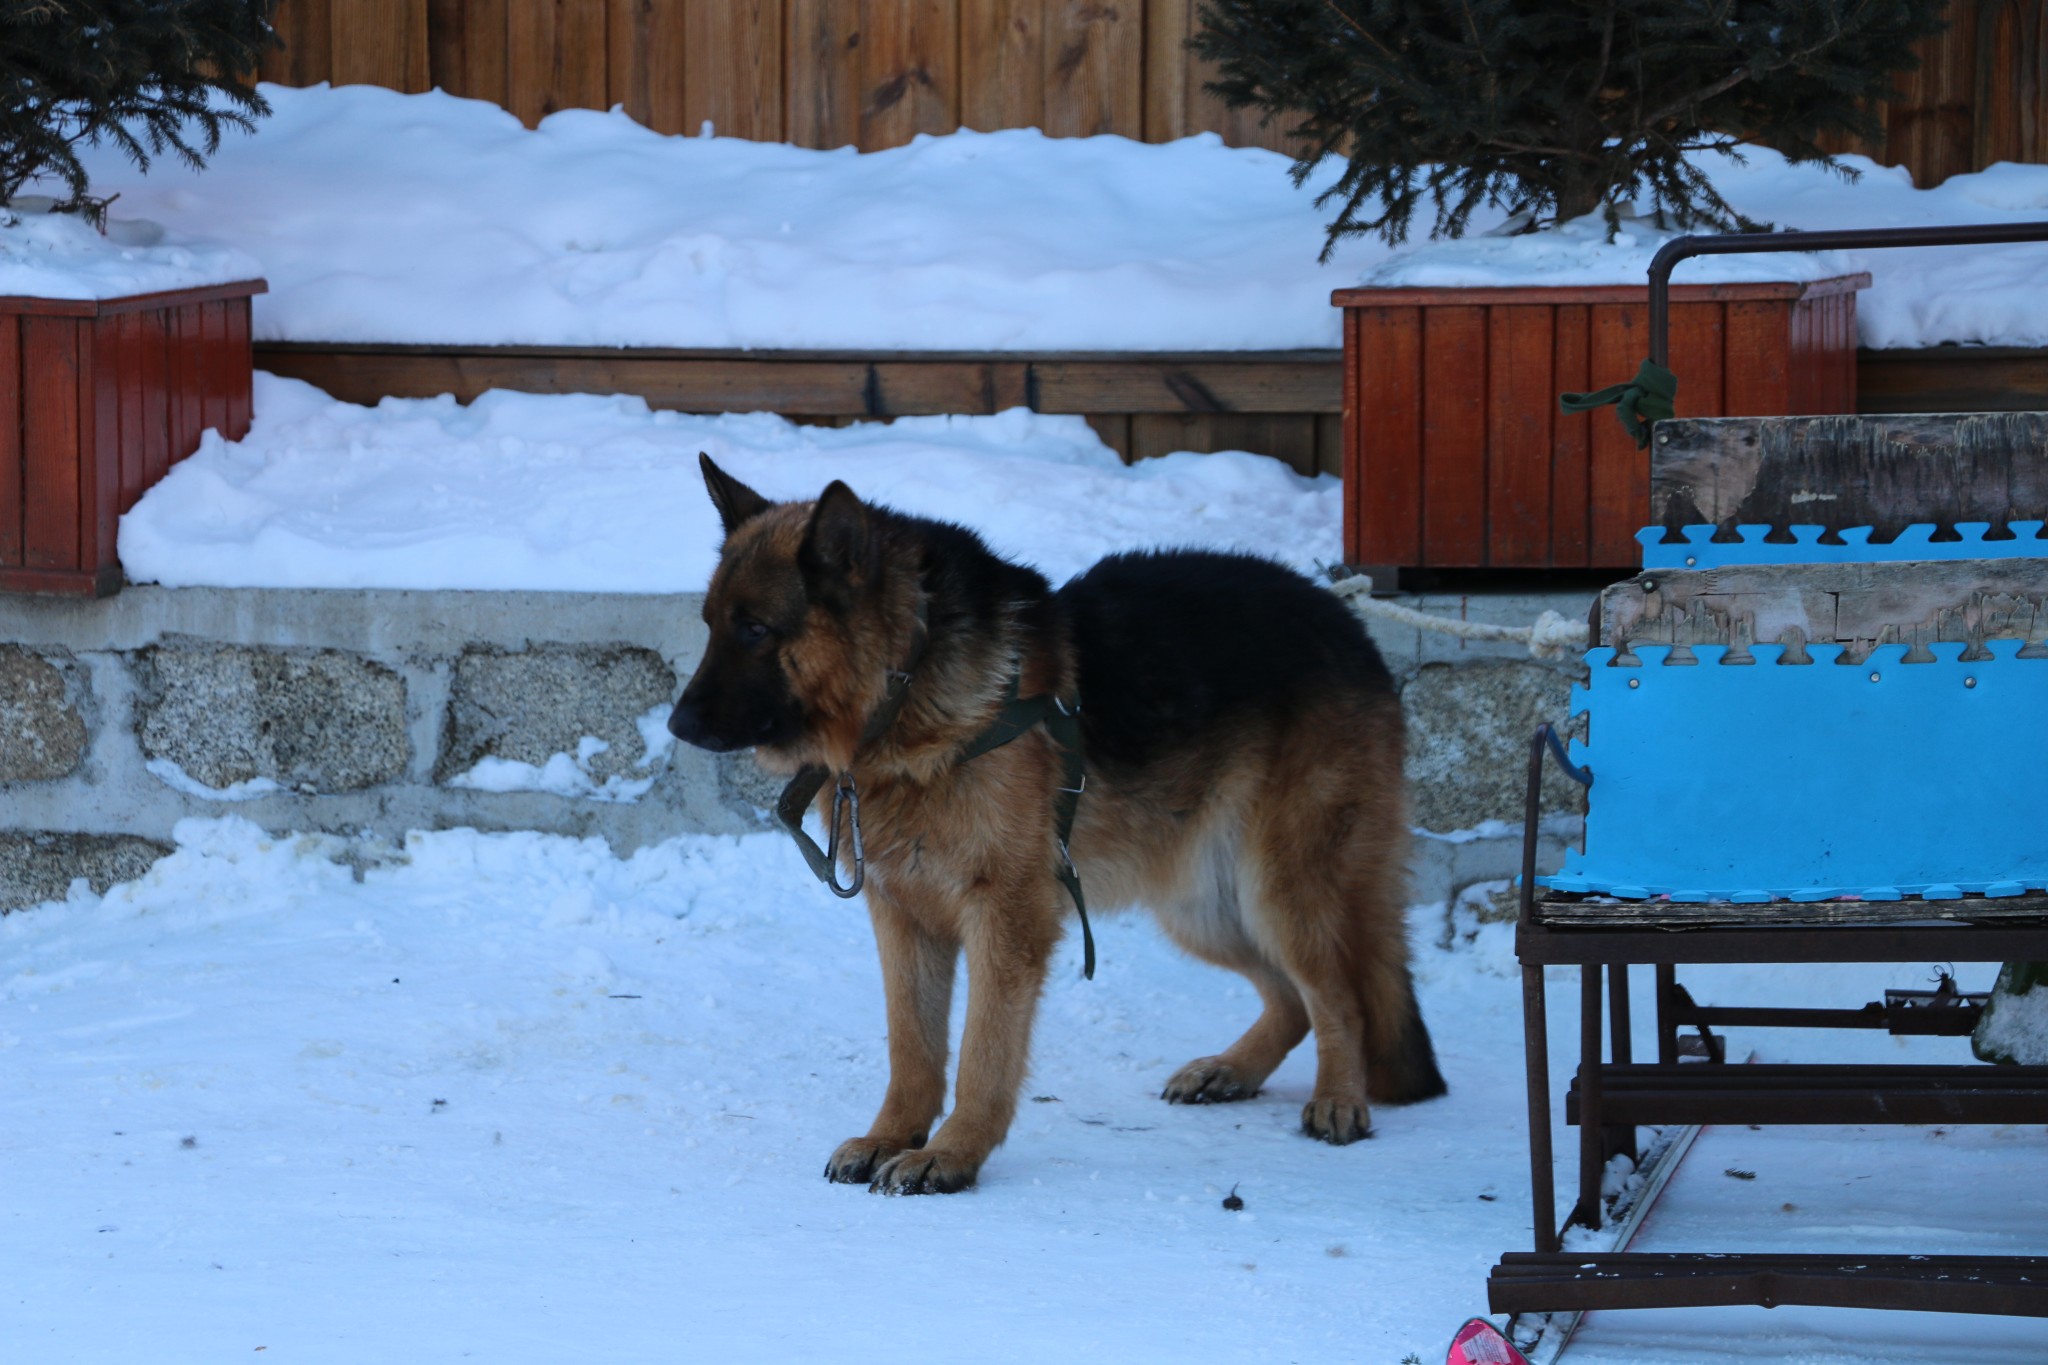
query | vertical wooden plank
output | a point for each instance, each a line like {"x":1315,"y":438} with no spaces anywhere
{"x":1002,"y":69}
{"x":128,"y":389}
{"x":1571,"y":439}
{"x":1115,"y":430}
{"x":1697,"y":360}
{"x":466,"y":48}
{"x":216,"y":368}
{"x":380,"y":42}
{"x":1454,"y":532}
{"x":1618,"y":478}
{"x":555,"y":54}
{"x":13,"y":383}
{"x":1094,"y":63}
{"x":822,"y":80}
{"x":154,"y":435}
{"x":732,"y":68}
{"x":1167,"y":27}
{"x":1521,"y":393}
{"x":240,"y":359}
{"x":307,"y":57}
{"x":1756,"y":359}
{"x":1206,"y":112}
{"x":909,"y":53}
{"x":1386,"y":466}
{"x":1931,"y":126}
{"x":1845,"y":353}
{"x":100,"y":442}
{"x":187,"y":402}
{"x":1330,"y":445}
{"x":51,"y":455}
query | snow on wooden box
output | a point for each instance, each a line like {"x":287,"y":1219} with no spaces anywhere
{"x":1455,"y":453}
{"x":101,"y":397}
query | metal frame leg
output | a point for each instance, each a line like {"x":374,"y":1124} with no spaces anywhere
{"x":1592,"y":1140}
{"x":1536,"y":1045}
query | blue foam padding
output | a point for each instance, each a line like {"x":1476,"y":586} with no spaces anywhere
{"x":1699,"y":551}
{"x":1783,"y":781}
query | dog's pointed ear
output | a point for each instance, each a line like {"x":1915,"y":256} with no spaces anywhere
{"x":839,"y":545}
{"x":736,"y":503}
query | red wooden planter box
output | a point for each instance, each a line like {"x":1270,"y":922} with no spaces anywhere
{"x":1455,"y":453}
{"x":98,"y":398}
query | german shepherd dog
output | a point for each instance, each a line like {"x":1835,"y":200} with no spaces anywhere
{"x":1242,"y":743}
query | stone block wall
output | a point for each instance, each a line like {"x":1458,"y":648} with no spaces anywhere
{"x":371,"y":713}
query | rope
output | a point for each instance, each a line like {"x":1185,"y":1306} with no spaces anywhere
{"x":1551,"y":637}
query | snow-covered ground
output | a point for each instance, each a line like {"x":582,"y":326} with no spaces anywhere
{"x":509,"y":1098}
{"x":598,"y":494}
{"x":378,"y":216}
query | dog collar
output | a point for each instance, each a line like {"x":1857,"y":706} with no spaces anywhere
{"x":1017,"y":716}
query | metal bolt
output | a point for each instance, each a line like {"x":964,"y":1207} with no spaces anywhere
{"x":1969,"y":682}
{"x":1690,"y":561}
{"x":1635,"y":682}
{"x":1874,"y":677}
{"x":1649,"y":585}
{"x":1663,"y":440}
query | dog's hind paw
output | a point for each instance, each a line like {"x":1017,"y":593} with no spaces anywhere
{"x":1208,"y":1080}
{"x":1337,"y":1122}
{"x":926,"y":1172}
{"x":855,"y":1160}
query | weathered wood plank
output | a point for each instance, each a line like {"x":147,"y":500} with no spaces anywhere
{"x":305,"y":29}
{"x":1953,"y":379}
{"x":822,"y":84}
{"x":732,"y":68}
{"x":1886,"y":472}
{"x":822,"y":384}
{"x":1002,"y":71}
{"x":1858,"y":605}
{"x":1287,"y":437}
{"x":1143,"y":385}
{"x":1616,"y":481}
{"x":1093,"y":56}
{"x":1617,"y":914}
{"x":1521,"y":401}
{"x":1454,"y":529}
{"x":55,"y":361}
{"x":1168,"y":24}
{"x":11,"y":452}
{"x":1571,"y":442}
{"x":380,"y":42}
{"x":909,"y":70}
{"x":466,"y":48}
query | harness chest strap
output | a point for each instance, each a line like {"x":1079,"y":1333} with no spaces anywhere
{"x":1019,"y":715}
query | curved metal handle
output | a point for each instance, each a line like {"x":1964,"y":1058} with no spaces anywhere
{"x":1832,"y":239}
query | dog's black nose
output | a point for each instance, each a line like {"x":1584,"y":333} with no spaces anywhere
{"x":686,"y":722}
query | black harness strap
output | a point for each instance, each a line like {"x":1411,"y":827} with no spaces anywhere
{"x":1018,"y":716}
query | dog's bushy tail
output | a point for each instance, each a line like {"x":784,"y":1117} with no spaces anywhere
{"x":1400,"y":1062}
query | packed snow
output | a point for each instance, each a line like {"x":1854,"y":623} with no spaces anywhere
{"x":62,"y":256}
{"x":583,"y":493}
{"x":378,"y":216}
{"x":510,"y":1098}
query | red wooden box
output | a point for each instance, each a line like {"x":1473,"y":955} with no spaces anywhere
{"x":98,"y":397}
{"x":1455,"y":453}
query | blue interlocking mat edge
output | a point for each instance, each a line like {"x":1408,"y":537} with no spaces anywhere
{"x":1699,"y":550}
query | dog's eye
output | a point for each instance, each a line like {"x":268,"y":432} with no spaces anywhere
{"x":750,"y":631}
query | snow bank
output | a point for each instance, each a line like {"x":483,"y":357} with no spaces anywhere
{"x":61,"y":256}
{"x":378,"y":216}
{"x":427,"y":218}
{"x":584,"y":493}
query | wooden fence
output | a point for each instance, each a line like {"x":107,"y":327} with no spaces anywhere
{"x":874,"y":73}
{"x":817,"y":73}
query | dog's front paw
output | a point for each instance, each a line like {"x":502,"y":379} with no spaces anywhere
{"x":1208,"y":1080}
{"x":855,"y":1161}
{"x":1337,"y":1122}
{"x":925,"y":1172}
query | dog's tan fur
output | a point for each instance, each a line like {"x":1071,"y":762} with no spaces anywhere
{"x":1272,"y":845}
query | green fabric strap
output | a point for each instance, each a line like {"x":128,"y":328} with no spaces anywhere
{"x":1018,"y":716}
{"x":1645,"y":399}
